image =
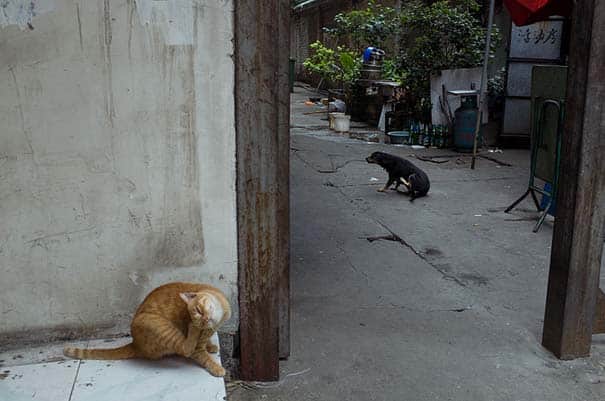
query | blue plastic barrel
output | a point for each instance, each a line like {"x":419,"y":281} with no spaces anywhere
{"x":545,"y":198}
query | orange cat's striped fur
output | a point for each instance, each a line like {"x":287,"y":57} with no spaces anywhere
{"x":176,"y":318}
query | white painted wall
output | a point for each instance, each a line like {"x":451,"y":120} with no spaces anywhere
{"x":458,"y":79}
{"x":117,"y":158}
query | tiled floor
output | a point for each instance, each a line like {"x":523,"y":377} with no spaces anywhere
{"x":42,"y":374}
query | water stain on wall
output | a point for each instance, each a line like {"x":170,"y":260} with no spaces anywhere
{"x":22,"y":13}
{"x":110,"y":111}
{"x":182,"y":242}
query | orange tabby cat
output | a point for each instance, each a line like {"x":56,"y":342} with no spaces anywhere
{"x":176,"y":318}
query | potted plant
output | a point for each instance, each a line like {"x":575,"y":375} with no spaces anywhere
{"x":338,"y":67}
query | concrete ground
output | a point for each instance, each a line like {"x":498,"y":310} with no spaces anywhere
{"x":451,"y":309}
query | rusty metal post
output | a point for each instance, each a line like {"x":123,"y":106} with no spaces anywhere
{"x":262,"y":143}
{"x":574,"y":303}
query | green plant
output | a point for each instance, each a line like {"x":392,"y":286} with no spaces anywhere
{"x":432,"y":36}
{"x":495,"y":91}
{"x":391,"y":71}
{"x":372,"y":26}
{"x":495,"y":85}
{"x":322,"y":61}
{"x":439,"y":36}
{"x":338,"y":66}
{"x":349,"y":65}
{"x":334,"y":65}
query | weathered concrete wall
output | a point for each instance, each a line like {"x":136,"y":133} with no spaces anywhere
{"x":117,"y":158}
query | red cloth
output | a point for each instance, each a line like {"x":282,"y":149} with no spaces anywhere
{"x":525,"y":12}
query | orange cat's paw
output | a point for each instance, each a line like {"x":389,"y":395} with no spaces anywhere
{"x":197,"y":322}
{"x":216,"y":370}
{"x":212,"y":348}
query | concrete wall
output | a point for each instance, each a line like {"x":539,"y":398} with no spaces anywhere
{"x":458,"y":79}
{"x":117,"y":158}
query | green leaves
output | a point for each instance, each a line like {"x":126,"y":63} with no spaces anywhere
{"x":322,"y":61}
{"x":333,"y":64}
{"x":423,"y":38}
{"x":347,"y":61}
{"x":441,"y":36}
{"x":372,"y":26}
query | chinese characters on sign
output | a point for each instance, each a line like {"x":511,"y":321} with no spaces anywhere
{"x":538,"y":43}
{"x":541,"y":40}
{"x":540,"y":36}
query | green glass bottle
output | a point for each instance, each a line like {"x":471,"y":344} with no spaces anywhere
{"x":439,"y":137}
{"x":428,"y":138}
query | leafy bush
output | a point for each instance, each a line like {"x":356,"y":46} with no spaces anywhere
{"x":333,"y":64}
{"x":432,"y":36}
{"x":495,"y":85}
{"x":391,"y":72}
{"x":440,"y":36}
{"x":372,"y":26}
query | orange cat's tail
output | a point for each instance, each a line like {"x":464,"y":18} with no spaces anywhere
{"x":124,"y":352}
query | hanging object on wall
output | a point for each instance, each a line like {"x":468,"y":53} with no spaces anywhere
{"x":525,"y":12}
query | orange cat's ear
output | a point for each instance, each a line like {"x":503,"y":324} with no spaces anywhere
{"x":187,"y":296}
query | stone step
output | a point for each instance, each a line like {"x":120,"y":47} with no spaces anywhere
{"x":43,"y":374}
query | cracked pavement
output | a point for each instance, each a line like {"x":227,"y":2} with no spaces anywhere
{"x":439,"y":299}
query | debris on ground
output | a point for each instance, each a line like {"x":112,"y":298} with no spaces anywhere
{"x":433,"y":159}
{"x":337,"y":106}
{"x":253,"y":385}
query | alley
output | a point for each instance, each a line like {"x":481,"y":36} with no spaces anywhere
{"x":440,"y":299}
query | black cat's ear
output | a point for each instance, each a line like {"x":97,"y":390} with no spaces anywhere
{"x":188,"y":296}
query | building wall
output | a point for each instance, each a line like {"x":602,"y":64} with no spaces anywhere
{"x":117,"y":159}
{"x":306,"y":27}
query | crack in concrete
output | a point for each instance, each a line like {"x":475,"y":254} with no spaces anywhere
{"x":396,"y":238}
{"x":73,"y":385}
{"x":49,"y":236}
{"x":477,"y":179}
{"x":403,"y":307}
{"x":434,"y":159}
{"x":331,"y":184}
{"x":352,"y":266}
{"x":335,"y":168}
{"x":392,"y":237}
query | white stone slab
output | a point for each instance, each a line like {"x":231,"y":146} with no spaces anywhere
{"x":169,"y":379}
{"x":39,"y":382}
{"x":34,"y":354}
